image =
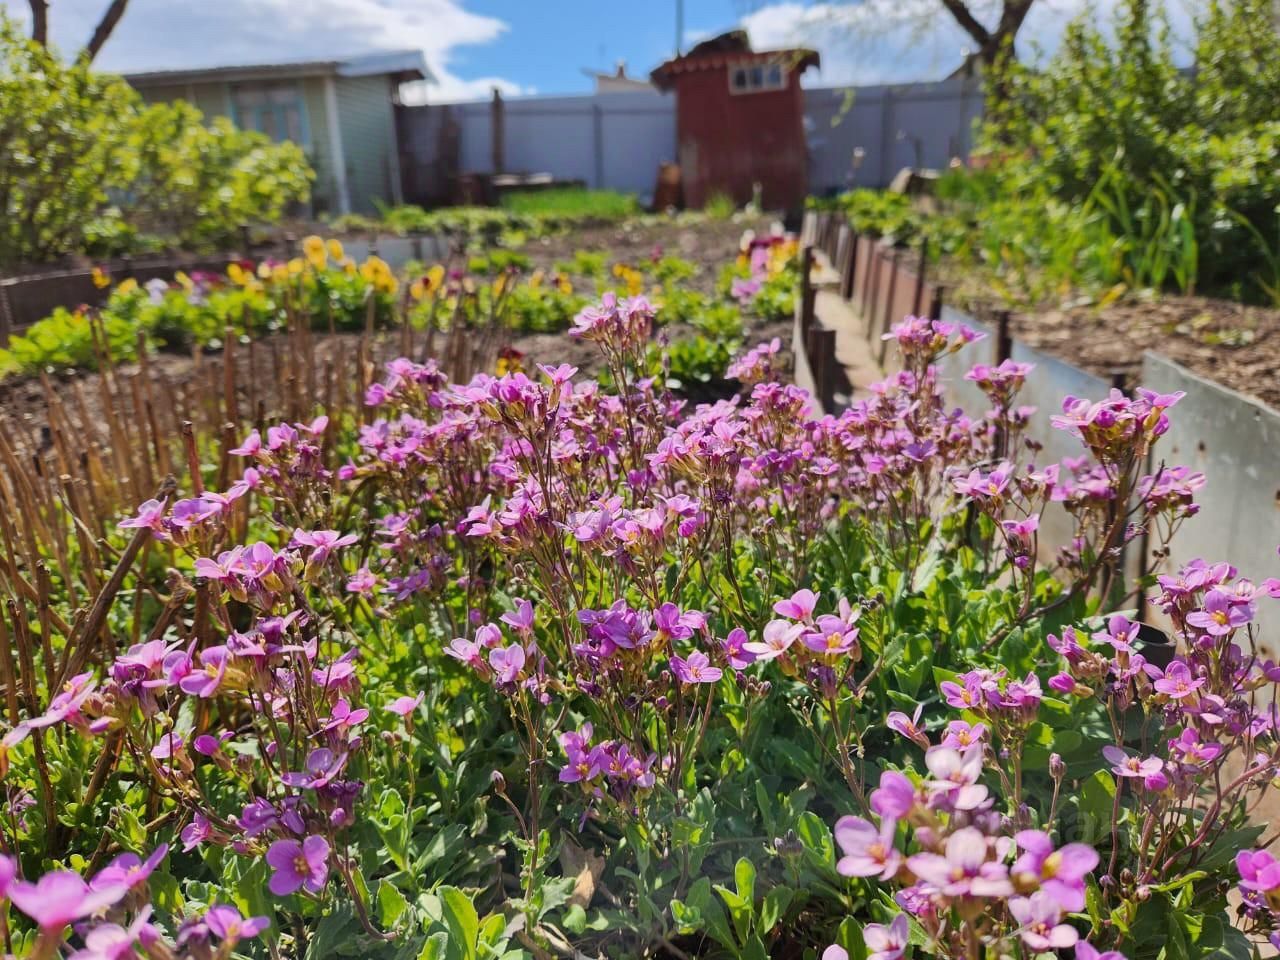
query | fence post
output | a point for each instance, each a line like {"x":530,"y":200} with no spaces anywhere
{"x":807,"y":293}
{"x":497,"y":117}
{"x":872,"y":289}
{"x":1004,"y":339}
{"x":849,"y":267}
{"x":6,"y":315}
{"x":886,"y":324}
{"x":935,"y":305}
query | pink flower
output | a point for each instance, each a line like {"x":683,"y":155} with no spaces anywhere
{"x":1259,"y":870}
{"x":965,"y":870}
{"x":298,"y":865}
{"x":961,"y":734}
{"x":1222,"y":614}
{"x":1086,"y":951}
{"x":1120,"y":633}
{"x":521,"y":619}
{"x":150,"y":516}
{"x":896,"y":796}
{"x":696,"y":669}
{"x":1059,"y":873}
{"x":909,"y":727}
{"x":955,"y":776}
{"x":406,"y":706}
{"x":251,"y":447}
{"x":886,"y":942}
{"x":1178,"y":682}
{"x":1040,"y":923}
{"x":363,"y":582}
{"x":128,"y":870}
{"x":61,"y":897}
{"x":777,"y":639}
{"x":66,"y":705}
{"x":868,"y":851}
{"x":213,"y":668}
{"x":226,"y":923}
{"x":799,"y":607}
{"x":1124,"y":764}
{"x":343,"y":718}
{"x":195,"y":833}
{"x":734,"y":647}
{"x":581,"y":764}
{"x":507,"y":662}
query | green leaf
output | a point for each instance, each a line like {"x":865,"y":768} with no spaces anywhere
{"x":744,"y":875}
{"x":462,"y":920}
{"x":773,"y":908}
{"x":701,"y":911}
{"x":436,"y":947}
{"x":391,"y":903}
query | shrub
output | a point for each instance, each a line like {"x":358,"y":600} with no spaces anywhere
{"x":85,"y":166}
{"x":1118,"y":121}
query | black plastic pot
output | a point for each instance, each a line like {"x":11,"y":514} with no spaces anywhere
{"x":1155,"y":645}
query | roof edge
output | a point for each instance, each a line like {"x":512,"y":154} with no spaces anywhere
{"x":796,"y":58}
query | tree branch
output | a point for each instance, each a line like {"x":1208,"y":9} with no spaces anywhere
{"x":968,"y":22}
{"x":105,"y":26}
{"x":40,"y":21}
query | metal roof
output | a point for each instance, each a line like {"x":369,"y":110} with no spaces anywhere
{"x":404,"y":64}
{"x":794,"y":59}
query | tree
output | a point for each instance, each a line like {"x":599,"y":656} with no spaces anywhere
{"x":102,"y":33}
{"x":996,"y":42}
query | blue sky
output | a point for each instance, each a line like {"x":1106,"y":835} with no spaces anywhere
{"x":529,"y":47}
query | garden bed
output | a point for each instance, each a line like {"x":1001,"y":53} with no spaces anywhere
{"x":1229,"y":343}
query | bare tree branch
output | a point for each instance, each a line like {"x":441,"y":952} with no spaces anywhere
{"x":104,"y":28}
{"x":40,"y":21}
{"x":968,"y":22}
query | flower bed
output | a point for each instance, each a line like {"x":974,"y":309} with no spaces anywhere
{"x":543,"y":665}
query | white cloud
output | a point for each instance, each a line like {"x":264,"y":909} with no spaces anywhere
{"x":896,"y":41}
{"x":172,"y":34}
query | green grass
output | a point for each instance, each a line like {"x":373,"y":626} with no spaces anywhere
{"x":572,"y":202}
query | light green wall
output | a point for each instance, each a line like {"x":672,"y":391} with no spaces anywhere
{"x":325,"y":188}
{"x":214,"y":100}
{"x":368,"y":137}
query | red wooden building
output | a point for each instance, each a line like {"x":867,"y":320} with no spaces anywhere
{"x":740,"y":121}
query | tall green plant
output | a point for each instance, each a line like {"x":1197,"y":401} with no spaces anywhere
{"x":87,"y":167}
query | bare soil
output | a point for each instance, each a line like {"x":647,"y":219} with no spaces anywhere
{"x":1235,"y":345}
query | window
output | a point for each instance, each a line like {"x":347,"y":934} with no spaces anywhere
{"x":757,"y":77}
{"x":275,"y":109}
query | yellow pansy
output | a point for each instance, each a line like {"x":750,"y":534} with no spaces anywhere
{"x":313,"y":249}
{"x":334,"y":247}
{"x":100,"y":279}
{"x":127,"y":286}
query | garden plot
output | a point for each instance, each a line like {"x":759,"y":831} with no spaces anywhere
{"x":452,"y":656}
{"x":1232,"y":344}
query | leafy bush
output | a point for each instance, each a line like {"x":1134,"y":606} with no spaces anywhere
{"x":85,"y":166}
{"x":1202,"y":143}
